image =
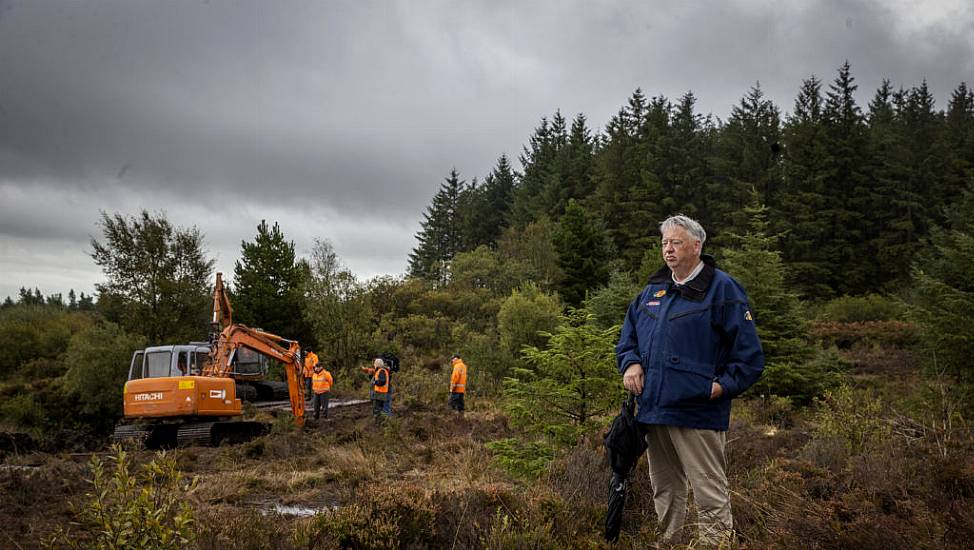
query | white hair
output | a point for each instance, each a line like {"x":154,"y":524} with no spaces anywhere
{"x":686,"y":222}
{"x":378,"y":363}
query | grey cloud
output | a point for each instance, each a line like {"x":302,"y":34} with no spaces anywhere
{"x":338,"y":113}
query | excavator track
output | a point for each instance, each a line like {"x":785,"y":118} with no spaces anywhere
{"x":214,"y":433}
{"x":150,"y":436}
{"x":131,"y":432}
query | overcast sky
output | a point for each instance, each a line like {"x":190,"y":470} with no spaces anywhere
{"x":340,"y":120}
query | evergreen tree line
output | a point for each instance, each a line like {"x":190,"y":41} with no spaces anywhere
{"x":852,"y":192}
{"x":75,"y":302}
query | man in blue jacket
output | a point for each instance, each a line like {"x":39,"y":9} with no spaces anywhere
{"x":688,"y":346}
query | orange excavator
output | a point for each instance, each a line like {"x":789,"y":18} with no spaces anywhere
{"x":187,"y":394}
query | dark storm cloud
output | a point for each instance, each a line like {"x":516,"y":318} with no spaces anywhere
{"x":340,"y":119}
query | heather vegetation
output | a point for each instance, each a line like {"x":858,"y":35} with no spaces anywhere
{"x":850,"y":230}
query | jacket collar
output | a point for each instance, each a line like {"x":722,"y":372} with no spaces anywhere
{"x":696,"y":288}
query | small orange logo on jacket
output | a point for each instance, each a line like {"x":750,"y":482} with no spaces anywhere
{"x":659,"y":294}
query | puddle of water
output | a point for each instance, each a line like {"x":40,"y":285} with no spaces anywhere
{"x":297,"y":511}
{"x":15,"y":468}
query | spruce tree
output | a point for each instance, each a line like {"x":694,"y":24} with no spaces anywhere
{"x":441,"y":233}
{"x":895,"y":207}
{"x":777,"y":312}
{"x":804,"y":194}
{"x":584,"y":252}
{"x":847,"y":187}
{"x":486,"y":208}
{"x":628,"y":190}
{"x":944,"y":292}
{"x":748,"y":158}
{"x":571,"y":173}
{"x":959,"y":135}
{"x":681,"y":164}
{"x":267,"y":284}
{"x":539,"y":160}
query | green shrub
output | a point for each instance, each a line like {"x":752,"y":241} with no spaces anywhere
{"x":525,"y":316}
{"x":852,"y":417}
{"x":846,"y":334}
{"x":382,"y":517}
{"x":24,"y":412}
{"x":506,"y":532}
{"x":609,"y":304}
{"x":800,"y":382}
{"x":488,"y":364}
{"x":98,"y":360}
{"x":145,"y":509}
{"x":859,"y":309}
{"x":33,"y":332}
{"x":525,"y":459}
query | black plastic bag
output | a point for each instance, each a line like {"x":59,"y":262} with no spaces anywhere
{"x":624,"y":443}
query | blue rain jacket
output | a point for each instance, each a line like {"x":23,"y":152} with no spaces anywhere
{"x":686,"y":337}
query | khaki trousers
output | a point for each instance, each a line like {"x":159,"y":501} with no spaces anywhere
{"x":678,"y":455}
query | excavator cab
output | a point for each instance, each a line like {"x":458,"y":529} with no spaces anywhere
{"x":161,"y":361}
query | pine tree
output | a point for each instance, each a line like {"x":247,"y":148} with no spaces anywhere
{"x":895,"y":207}
{"x":777,"y":312}
{"x":584,"y":252}
{"x":86,"y":303}
{"x":748,"y":158}
{"x":628,"y":190}
{"x":267,"y":284}
{"x":486,"y":208}
{"x":959,"y":135}
{"x":570,"y":174}
{"x":847,"y":188}
{"x":441,"y":233}
{"x":944,"y":292}
{"x":539,"y":159}
{"x":804,"y":195}
{"x":681,"y":164}
{"x":570,"y":383}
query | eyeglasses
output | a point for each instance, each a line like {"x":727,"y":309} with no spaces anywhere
{"x":674,"y":242}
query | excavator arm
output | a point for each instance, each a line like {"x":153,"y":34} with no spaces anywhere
{"x":273,"y":346}
{"x":222,"y":311}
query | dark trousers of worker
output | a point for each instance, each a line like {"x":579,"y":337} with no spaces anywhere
{"x":307,"y":388}
{"x":680,"y":455}
{"x":456,"y":401}
{"x":321,"y":401}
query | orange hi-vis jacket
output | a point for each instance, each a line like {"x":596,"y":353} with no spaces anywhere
{"x":310,"y":360}
{"x":458,"y":380}
{"x":384,"y":388}
{"x":321,"y":381}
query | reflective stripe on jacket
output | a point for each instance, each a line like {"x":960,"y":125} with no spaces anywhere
{"x":686,"y":337}
{"x":321,"y":381}
{"x":458,"y":380}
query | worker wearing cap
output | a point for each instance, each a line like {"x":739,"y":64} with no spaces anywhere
{"x":458,"y":383}
{"x":321,"y":382}
{"x":310,"y":360}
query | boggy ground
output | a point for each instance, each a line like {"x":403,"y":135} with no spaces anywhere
{"x":868,"y":468}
